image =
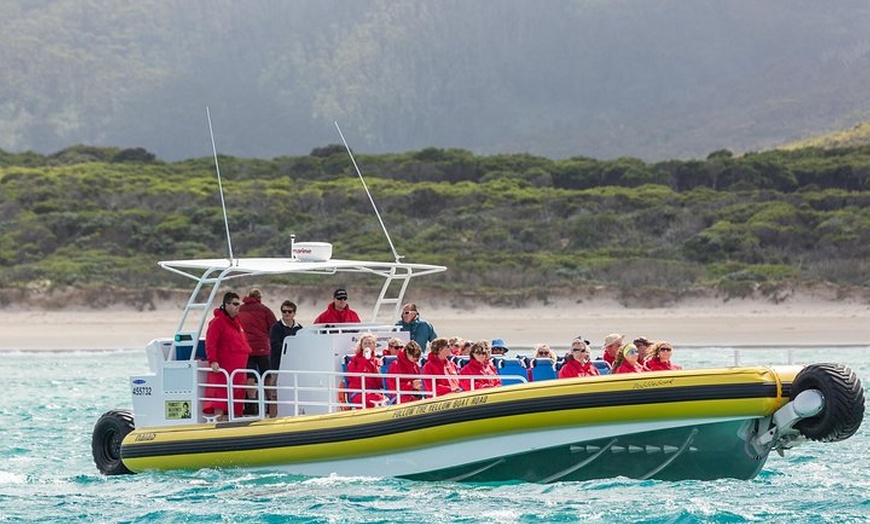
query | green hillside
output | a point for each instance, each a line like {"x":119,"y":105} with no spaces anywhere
{"x":857,"y":136}
{"x":509,"y":227}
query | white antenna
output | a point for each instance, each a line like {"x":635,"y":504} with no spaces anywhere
{"x":366,"y":187}
{"x":217,"y":168}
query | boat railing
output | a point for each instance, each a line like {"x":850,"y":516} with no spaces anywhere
{"x":331,"y":393}
{"x":738,"y":356}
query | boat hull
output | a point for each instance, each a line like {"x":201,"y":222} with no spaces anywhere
{"x":669,"y":425}
{"x":701,"y":451}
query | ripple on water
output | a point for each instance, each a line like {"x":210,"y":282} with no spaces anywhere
{"x":48,"y":475}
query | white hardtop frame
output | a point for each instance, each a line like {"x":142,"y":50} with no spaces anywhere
{"x":211,"y":273}
{"x":172,"y":392}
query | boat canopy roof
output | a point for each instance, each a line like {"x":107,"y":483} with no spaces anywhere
{"x":210,"y":273}
{"x":227,"y":269}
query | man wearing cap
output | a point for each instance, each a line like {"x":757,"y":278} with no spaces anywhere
{"x":612,"y":343}
{"x":338,"y":312}
{"x":498,"y":347}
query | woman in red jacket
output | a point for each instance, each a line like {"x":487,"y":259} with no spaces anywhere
{"x":479,"y":365}
{"x":627,"y":360}
{"x":437,"y":364}
{"x":365,"y":361}
{"x":660,"y":360}
{"x":577,"y":362}
{"x":226,"y":346}
{"x":406,"y":364}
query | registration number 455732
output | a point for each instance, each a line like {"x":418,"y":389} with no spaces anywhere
{"x":142,"y":390}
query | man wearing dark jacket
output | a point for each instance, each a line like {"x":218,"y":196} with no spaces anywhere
{"x":421,"y":331}
{"x":285,"y":327}
{"x":257,"y":320}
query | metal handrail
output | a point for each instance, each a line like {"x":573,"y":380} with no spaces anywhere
{"x":332,"y":389}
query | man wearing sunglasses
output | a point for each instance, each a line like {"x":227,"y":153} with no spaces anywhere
{"x":421,"y":331}
{"x":227,"y":348}
{"x":285,"y":327}
{"x":338,"y":311}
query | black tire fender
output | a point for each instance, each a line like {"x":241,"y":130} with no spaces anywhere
{"x":843,"y":408}
{"x":109,"y":431}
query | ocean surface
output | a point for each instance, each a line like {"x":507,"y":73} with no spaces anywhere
{"x":50,"y":402}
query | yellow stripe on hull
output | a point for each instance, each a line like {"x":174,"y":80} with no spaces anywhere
{"x":464,"y":417}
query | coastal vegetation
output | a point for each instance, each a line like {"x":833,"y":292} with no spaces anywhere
{"x":509,"y":227}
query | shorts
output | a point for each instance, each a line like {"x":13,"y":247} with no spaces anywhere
{"x":260,"y":364}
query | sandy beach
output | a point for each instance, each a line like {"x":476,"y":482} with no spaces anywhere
{"x":801,"y":321}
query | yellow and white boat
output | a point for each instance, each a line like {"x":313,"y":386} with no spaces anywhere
{"x":689,"y":424}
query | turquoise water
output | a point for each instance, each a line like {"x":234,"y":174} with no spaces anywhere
{"x":50,"y":402}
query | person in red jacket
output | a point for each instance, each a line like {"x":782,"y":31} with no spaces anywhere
{"x":644,"y":349}
{"x":437,"y":364}
{"x":627,"y":360}
{"x":456,"y":345}
{"x":479,"y":365}
{"x":257,"y":319}
{"x":577,"y":362}
{"x":394,"y":346}
{"x":227,"y":348}
{"x":406,"y":364}
{"x":338,"y":311}
{"x":660,"y":359}
{"x":365,"y":361}
{"x":612,"y":344}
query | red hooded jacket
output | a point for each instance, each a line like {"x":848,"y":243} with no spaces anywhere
{"x":258,"y":320}
{"x":226,"y":344}
{"x":404,"y":366}
{"x":476,"y":368}
{"x":627,"y":367}
{"x":573,"y":368}
{"x":374,"y":384}
{"x":334,"y":316}
{"x":436,"y":366}
{"x":654,"y":364}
